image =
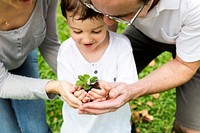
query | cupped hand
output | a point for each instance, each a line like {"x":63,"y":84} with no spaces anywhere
{"x":81,"y":94}
{"x":66,"y":90}
{"x":99,"y":94}
{"x":94,"y":94}
{"x":119,"y":94}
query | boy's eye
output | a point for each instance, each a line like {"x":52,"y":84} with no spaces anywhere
{"x":77,"y":32}
{"x":96,"y":32}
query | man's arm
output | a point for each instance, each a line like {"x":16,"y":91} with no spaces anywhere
{"x":172,"y":74}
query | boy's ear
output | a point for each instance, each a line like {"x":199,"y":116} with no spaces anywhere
{"x":65,"y":20}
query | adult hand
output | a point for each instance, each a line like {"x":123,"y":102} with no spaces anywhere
{"x":119,"y":94}
{"x":66,"y":90}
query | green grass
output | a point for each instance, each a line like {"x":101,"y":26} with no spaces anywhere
{"x":162,"y":109}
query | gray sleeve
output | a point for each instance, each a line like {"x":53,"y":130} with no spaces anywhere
{"x":50,"y":45}
{"x":20,"y":87}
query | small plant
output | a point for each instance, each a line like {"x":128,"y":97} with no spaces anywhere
{"x":87,"y":82}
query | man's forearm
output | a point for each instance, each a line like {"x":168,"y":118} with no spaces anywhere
{"x":168,"y":76}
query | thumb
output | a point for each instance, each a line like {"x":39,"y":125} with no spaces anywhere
{"x":104,"y":85}
{"x":74,"y":88}
{"x":115,"y":91}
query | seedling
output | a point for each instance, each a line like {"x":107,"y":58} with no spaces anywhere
{"x":87,"y":82}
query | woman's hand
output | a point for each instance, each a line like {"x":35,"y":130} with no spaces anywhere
{"x":66,"y":90}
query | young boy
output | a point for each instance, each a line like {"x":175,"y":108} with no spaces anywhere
{"x":95,"y":51}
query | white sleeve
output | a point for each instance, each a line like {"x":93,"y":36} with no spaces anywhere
{"x":188,"y":41}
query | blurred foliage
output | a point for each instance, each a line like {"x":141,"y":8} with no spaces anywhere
{"x":159,"y":109}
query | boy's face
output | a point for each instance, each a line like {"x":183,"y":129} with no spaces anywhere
{"x":89,"y":34}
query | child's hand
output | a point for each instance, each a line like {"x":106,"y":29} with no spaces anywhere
{"x":95,"y":94}
{"x":100,"y":94}
{"x":81,"y":94}
{"x":86,"y":99}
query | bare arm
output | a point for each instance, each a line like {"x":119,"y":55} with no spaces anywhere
{"x":170,"y":75}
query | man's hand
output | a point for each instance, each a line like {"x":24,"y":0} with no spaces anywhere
{"x":118,"y":95}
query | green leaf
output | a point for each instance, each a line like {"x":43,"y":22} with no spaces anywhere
{"x":86,"y":77}
{"x":86,"y":87}
{"x":81,"y":78}
{"x":93,"y":80}
{"x":79,"y":83}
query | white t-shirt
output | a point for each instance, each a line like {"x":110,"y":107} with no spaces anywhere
{"x":175,"y":22}
{"x":117,"y":64}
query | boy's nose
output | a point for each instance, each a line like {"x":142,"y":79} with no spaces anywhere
{"x":87,"y":40}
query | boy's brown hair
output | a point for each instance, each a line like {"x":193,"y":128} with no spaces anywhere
{"x":76,"y":7}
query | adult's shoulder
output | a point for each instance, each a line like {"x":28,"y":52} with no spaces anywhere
{"x":190,"y":5}
{"x":51,"y":2}
{"x":47,"y":4}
